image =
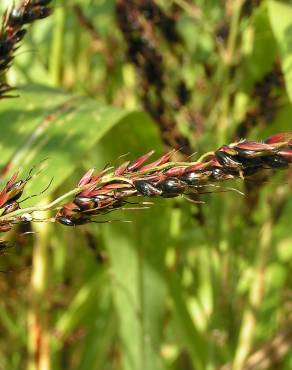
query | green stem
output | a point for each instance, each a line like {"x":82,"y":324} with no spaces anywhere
{"x":56,"y":61}
{"x":191,"y":10}
{"x":193,"y":340}
{"x":38,"y":330}
{"x":46,"y":207}
{"x":234,"y":25}
{"x":256,"y":293}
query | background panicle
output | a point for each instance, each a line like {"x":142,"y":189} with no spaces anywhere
{"x":12,"y":32}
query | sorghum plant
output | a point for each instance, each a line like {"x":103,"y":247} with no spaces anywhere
{"x":100,"y":193}
{"x":173,"y":290}
{"x":168,"y":179}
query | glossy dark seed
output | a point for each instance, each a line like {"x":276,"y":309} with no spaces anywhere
{"x":15,"y":18}
{"x":19,"y":35}
{"x":275,"y":161}
{"x":145,"y":188}
{"x":171,"y":187}
{"x":71,"y":221}
{"x":228,"y":160}
{"x":10,"y":207}
{"x":84,"y":203}
{"x":217,"y":174}
{"x":192,"y":178}
{"x":65,"y":221}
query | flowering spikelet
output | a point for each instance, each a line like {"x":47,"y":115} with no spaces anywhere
{"x":105,"y":192}
{"x":108,"y":190}
{"x":9,"y":196}
{"x":13,"y":31}
{"x":10,"y":200}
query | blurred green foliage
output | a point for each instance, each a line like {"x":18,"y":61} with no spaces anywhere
{"x":184,"y":286}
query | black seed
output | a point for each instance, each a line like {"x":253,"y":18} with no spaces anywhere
{"x":171,"y":187}
{"x":145,"y":188}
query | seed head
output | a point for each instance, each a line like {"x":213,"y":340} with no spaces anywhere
{"x":167,"y":179}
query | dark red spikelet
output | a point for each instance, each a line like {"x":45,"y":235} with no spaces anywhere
{"x":175,"y":171}
{"x":283,"y":137}
{"x":286,"y":154}
{"x":121,"y":169}
{"x":196,"y":167}
{"x":85,"y":179}
{"x":4,"y":195}
{"x":252,"y":146}
{"x":162,"y":160}
{"x":133,"y":166}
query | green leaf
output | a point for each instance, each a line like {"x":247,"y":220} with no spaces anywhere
{"x":190,"y":336}
{"x":263,"y":50}
{"x":281,"y":21}
{"x":80,"y":304}
{"x":46,"y":123}
{"x":98,"y":342}
{"x":78,"y":130}
{"x":137,"y":253}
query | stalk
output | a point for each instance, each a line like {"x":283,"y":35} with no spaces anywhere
{"x":256,"y":293}
{"x":38,"y":327}
{"x":57,"y":48}
{"x":191,"y":10}
{"x":231,"y":43}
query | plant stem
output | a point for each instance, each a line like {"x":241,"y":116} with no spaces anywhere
{"x":231,"y":43}
{"x":256,"y":293}
{"x":56,"y":60}
{"x":41,"y":208}
{"x":191,"y":10}
{"x":38,"y":330}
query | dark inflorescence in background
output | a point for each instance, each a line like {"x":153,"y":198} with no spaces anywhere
{"x":145,"y":27}
{"x":13,"y":30}
{"x":266,"y":96}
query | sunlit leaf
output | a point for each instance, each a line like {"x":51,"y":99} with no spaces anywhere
{"x":281,"y":21}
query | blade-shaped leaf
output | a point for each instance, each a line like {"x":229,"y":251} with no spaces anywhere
{"x":137,"y":254}
{"x":46,"y":123}
{"x":281,"y":21}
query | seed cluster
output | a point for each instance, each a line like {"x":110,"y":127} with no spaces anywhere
{"x":9,"y":198}
{"x":266,"y":99}
{"x":110,"y":189}
{"x":106,"y":192}
{"x":13,"y":32}
{"x":146,"y":27}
